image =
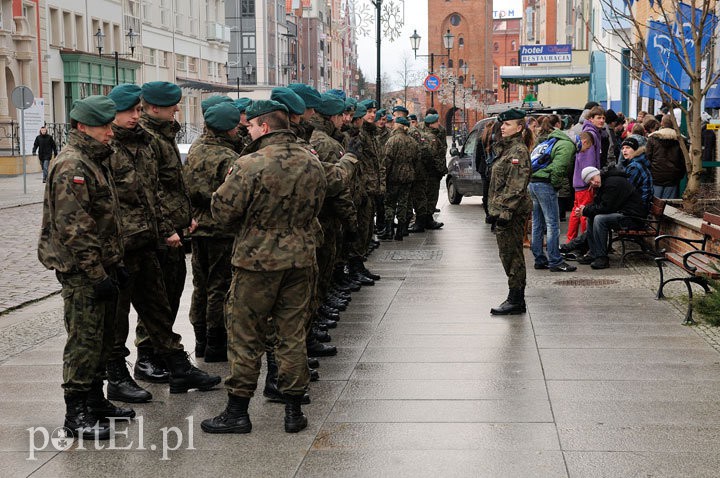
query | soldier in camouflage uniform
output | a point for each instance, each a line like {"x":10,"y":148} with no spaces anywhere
{"x":400,"y":153}
{"x":208,"y":162}
{"x":271,"y":198}
{"x":510,"y":204}
{"x":160,"y":101}
{"x":437,"y":144}
{"x":81,"y":241}
{"x":243,"y":134}
{"x":373,"y":175}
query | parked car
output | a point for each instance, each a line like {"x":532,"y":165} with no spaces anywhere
{"x":465,"y":174}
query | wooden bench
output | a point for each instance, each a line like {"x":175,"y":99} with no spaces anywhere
{"x":700,"y":265}
{"x":639,"y":231}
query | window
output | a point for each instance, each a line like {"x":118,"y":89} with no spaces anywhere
{"x":460,"y":63}
{"x":461,"y":42}
{"x":165,"y":13}
{"x":513,"y":61}
{"x":180,"y":62}
{"x":149,"y":56}
{"x":450,"y":63}
{"x":495,"y":74}
{"x":192,"y":65}
{"x":55,"y":27}
{"x":162,"y":57}
{"x":454,"y":19}
{"x":68,"y":31}
{"x":248,"y":42}
{"x":471,"y":144}
{"x":248,"y":8}
{"x":513,"y":45}
{"x":496,"y":46}
{"x":80,"y":32}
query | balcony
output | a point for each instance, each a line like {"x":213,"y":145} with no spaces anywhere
{"x":218,"y":32}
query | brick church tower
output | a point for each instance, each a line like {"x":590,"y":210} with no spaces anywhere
{"x":471,"y":21}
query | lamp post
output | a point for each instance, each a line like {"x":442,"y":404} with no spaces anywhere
{"x":415,"y":44}
{"x":100,"y":42}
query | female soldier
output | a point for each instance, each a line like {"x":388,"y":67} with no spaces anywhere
{"x":510,"y":204}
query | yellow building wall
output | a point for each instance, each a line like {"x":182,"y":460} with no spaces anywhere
{"x":12,"y":165}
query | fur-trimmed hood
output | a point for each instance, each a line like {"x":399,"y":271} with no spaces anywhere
{"x":665,"y":133}
{"x":637,"y":152}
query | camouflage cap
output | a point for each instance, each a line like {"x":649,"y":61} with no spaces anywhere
{"x":125,"y":96}
{"x":161,"y":93}
{"x":214,"y":100}
{"x":222,"y":117}
{"x":339,"y":93}
{"x":430,"y":119}
{"x":289,"y":98}
{"x":360,"y":111}
{"x":94,"y":111}
{"x":402,"y":120}
{"x":261,"y":107}
{"x":310,"y":95}
{"x":511,"y":114}
{"x":369,"y":104}
{"x":242,"y":104}
{"x":330,"y":105}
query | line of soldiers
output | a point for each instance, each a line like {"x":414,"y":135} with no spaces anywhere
{"x":279,"y":197}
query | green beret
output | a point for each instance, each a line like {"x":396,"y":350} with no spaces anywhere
{"x":412,"y":117}
{"x":360,"y":111}
{"x":310,"y":95}
{"x":222,"y":117}
{"x":289,"y":98}
{"x":369,"y":104}
{"x":378,"y":115}
{"x":402,"y":120}
{"x":261,"y":107}
{"x":214,"y":100}
{"x":339,"y":93}
{"x":242,"y":104}
{"x":330,"y":105}
{"x":350,"y":104}
{"x":511,"y":114}
{"x":430,"y":119}
{"x":94,"y":111}
{"x":390,"y":118}
{"x":125,"y":96}
{"x":381,"y":112}
{"x":161,"y":93}
{"x":401,"y":109}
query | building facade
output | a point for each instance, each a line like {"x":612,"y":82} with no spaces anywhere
{"x":506,"y":41}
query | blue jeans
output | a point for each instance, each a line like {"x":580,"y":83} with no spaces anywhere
{"x":545,"y":219}
{"x":45,"y":165}
{"x":665,"y":192}
{"x":599,"y":232}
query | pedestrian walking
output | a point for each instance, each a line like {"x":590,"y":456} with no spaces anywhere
{"x":46,"y":149}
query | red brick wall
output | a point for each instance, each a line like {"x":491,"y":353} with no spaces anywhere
{"x":675,"y":229}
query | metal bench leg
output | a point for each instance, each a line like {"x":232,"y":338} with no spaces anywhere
{"x":659,"y":261}
{"x":689,"y":315}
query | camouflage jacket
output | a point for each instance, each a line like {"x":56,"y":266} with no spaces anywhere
{"x":437,"y":146}
{"x":243,"y":139}
{"x":373,"y":159}
{"x":353,"y":170}
{"x":174,"y":199}
{"x":271,"y":198}
{"x":328,"y":149}
{"x":207,"y":165}
{"x":510,"y":177}
{"x":384,"y":136}
{"x":81,"y":229}
{"x":135,"y":174}
{"x":400,"y":153}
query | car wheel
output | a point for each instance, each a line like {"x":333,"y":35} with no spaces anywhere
{"x":453,"y":196}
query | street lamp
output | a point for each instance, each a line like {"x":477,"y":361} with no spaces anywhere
{"x":465,"y":68}
{"x":415,"y":44}
{"x":248,"y":70}
{"x":100,"y":42}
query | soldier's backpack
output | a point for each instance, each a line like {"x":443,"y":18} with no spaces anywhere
{"x":541,"y":155}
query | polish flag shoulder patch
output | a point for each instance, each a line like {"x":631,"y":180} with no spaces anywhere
{"x":78,"y":180}
{"x":230,"y":170}
{"x":515,"y":161}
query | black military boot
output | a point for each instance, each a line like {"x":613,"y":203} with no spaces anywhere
{"x":150,"y":368}
{"x":81,"y":422}
{"x":271,"y":391}
{"x":200,"y":340}
{"x":320,"y":335}
{"x":355,"y":265}
{"x":313,"y":362}
{"x":122,"y":387}
{"x":399,"y":232}
{"x":387,"y":234}
{"x":314,"y":375}
{"x":234,"y":419}
{"x":184,"y":376}
{"x":513,"y":305}
{"x":316,"y":349}
{"x":367,"y":273}
{"x":294,"y":418}
{"x":216,"y":350}
{"x":102,"y":408}
{"x":419,"y":225}
{"x":431,"y":223}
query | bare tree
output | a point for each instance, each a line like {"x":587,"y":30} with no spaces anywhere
{"x":407,"y":76}
{"x":687,"y":32}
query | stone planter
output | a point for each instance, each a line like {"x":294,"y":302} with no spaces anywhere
{"x":676,"y":222}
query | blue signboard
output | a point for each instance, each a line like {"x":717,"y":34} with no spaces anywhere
{"x":545,"y":54}
{"x":432,"y":82}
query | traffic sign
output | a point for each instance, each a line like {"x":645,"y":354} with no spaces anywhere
{"x":432,"y":82}
{"x":22,"y":97}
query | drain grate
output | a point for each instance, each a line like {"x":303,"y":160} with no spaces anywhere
{"x":584,"y":282}
{"x":416,"y":255}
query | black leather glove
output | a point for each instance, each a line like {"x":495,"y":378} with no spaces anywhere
{"x":123,"y":277}
{"x":502,"y":221}
{"x":106,"y":289}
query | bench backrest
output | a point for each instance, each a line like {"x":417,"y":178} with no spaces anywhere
{"x":657,"y":208}
{"x":711,"y":225}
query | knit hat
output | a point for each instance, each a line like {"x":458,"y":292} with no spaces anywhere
{"x":310,"y":95}
{"x":631,"y":142}
{"x":214,"y":100}
{"x":94,"y":111}
{"x":588,"y":173}
{"x":289,"y":98}
{"x":222,"y":117}
{"x":330,"y":105}
{"x":125,"y":96}
{"x":161,"y":93}
{"x":261,"y":107}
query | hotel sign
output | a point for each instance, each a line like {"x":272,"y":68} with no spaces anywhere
{"x":545,"y":54}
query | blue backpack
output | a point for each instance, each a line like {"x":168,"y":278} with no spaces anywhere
{"x":541,"y":154}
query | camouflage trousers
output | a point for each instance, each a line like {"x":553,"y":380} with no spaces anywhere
{"x":433,"y":192}
{"x":146,"y":293}
{"x":254,"y":297}
{"x":173,"y":271}
{"x":212,"y":274}
{"x":365,"y":212}
{"x":90,"y":326}
{"x":326,"y":257}
{"x":510,"y":247}
{"x":419,"y":196}
{"x":397,"y":202}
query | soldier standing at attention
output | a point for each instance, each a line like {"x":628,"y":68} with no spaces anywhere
{"x":134,"y":170}
{"x":400,"y":153}
{"x":271,"y":199}
{"x":510,"y":204}
{"x":438,"y":146}
{"x":208,"y":162}
{"x":160,"y":100}
{"x":81,"y":241}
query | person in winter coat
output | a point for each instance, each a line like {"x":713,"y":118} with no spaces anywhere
{"x":46,"y":148}
{"x":544,"y":184}
{"x":667,"y":162}
{"x":638,"y":169}
{"x":615,"y":198}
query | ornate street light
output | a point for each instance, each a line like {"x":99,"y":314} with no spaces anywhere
{"x":132,"y":43}
{"x":415,"y":44}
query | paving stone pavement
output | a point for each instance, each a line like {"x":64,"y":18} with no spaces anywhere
{"x":598,"y":380}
